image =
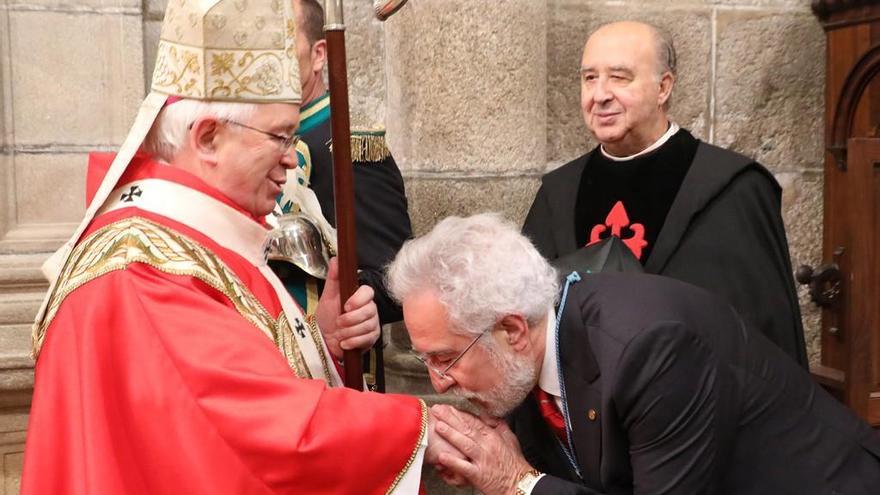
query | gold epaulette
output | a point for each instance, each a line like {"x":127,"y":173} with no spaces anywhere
{"x":368,"y":146}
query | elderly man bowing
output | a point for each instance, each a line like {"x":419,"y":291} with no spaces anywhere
{"x":623,"y":383}
{"x":170,"y":359}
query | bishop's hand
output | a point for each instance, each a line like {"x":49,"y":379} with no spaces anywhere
{"x":357,"y":327}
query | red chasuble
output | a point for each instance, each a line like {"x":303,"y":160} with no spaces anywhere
{"x":155,"y":381}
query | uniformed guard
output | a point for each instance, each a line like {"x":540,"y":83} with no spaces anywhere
{"x":381,"y":219}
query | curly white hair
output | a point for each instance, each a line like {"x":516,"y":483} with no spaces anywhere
{"x":482,"y":269}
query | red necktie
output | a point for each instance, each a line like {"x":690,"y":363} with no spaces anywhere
{"x":551,"y":413}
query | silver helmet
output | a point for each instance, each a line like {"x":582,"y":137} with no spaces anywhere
{"x":298,"y":240}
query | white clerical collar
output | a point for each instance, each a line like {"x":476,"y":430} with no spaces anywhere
{"x":673,"y":128}
{"x":548,"y":380}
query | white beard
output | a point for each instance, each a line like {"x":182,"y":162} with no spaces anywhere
{"x":520,"y":376}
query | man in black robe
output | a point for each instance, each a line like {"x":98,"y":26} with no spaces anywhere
{"x":687,"y":209}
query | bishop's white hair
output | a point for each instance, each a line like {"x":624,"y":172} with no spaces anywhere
{"x":482,"y":269}
{"x":168,"y":134}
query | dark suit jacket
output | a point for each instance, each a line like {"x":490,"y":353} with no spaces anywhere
{"x":689,"y":400}
{"x":724,"y":232}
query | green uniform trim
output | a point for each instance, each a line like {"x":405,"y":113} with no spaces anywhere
{"x":314,"y":113}
{"x":367,"y":146}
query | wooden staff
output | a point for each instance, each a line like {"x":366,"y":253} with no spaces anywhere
{"x":343,"y":184}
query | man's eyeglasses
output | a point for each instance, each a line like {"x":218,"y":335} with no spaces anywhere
{"x":428,"y":361}
{"x":284,"y":142}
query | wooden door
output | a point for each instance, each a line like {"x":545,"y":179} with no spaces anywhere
{"x":862,"y":279}
{"x":847,"y":285}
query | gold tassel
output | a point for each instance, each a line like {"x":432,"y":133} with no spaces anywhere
{"x":369,"y":146}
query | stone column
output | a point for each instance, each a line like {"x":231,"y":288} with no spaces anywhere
{"x":467,"y":123}
{"x":467,"y":113}
{"x":466,"y":117}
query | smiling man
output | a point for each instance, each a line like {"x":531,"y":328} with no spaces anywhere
{"x":687,"y":209}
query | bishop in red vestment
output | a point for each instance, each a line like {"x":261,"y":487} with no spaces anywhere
{"x":170,"y":359}
{"x":160,"y":373}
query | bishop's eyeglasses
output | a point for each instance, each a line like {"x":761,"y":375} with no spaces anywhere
{"x":284,"y":142}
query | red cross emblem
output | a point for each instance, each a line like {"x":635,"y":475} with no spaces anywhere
{"x":616,"y":220}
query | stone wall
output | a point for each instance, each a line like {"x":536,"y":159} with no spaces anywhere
{"x":71,"y":79}
{"x":480,"y":97}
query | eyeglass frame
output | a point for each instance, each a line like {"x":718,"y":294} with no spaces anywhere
{"x":442,"y":374}
{"x":286,"y":142}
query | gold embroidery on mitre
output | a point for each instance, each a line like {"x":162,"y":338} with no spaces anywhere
{"x":137,"y":240}
{"x":178,"y":71}
{"x":244,"y":74}
{"x":254,"y":41}
{"x":291,"y":31}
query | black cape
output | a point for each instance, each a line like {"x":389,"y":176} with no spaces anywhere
{"x":724,"y":232}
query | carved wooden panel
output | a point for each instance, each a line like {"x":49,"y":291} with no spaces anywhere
{"x":861,"y":337}
{"x":850,"y":362}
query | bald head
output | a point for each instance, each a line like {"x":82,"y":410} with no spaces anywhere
{"x":627,"y":74}
{"x":643,"y":34}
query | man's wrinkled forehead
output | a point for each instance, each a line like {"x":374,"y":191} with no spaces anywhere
{"x":620,"y":45}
